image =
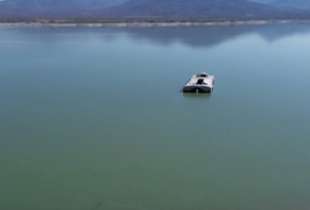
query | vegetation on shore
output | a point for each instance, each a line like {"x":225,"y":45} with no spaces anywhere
{"x":145,"y":23}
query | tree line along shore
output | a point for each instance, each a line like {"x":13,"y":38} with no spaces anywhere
{"x":143,"y":23}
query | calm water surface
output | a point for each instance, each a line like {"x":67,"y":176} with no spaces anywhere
{"x":93,"y":119}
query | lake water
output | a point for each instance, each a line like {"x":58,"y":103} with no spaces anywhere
{"x":93,"y":119}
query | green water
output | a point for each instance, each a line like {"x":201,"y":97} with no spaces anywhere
{"x":93,"y":119}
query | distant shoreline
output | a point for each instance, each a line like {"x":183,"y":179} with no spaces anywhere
{"x":122,"y":24}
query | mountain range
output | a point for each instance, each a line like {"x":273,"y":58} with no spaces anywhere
{"x":299,"y":4}
{"x":153,"y":9}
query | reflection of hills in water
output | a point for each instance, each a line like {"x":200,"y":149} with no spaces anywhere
{"x":211,"y":36}
{"x":191,"y":36}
